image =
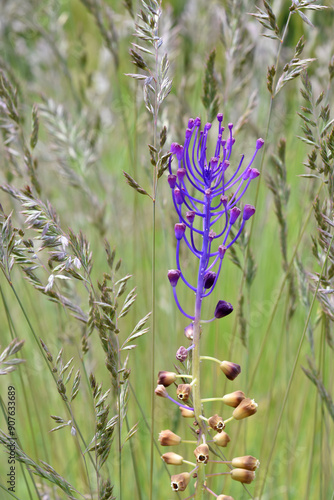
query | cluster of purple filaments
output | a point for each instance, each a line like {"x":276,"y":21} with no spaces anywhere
{"x":203,"y":200}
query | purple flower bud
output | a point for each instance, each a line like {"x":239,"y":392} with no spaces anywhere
{"x":226,"y":164}
{"x":190,"y":216}
{"x":220,"y":117}
{"x":189,"y":331}
{"x":223,"y":309}
{"x":172,"y":181}
{"x":234,"y":214}
{"x":259,"y":143}
{"x":208,"y":192}
{"x":222,"y":250}
{"x":209,"y":279}
{"x":207,"y":126}
{"x":197,"y":122}
{"x":181,"y":172}
{"x":191,"y":123}
{"x":212,"y":235}
{"x":230,"y":126}
{"x":188,"y":133}
{"x":249,"y":210}
{"x":214,"y":161}
{"x":177,"y":150}
{"x":224,"y":200}
{"x":254,"y":173}
{"x":179,"y":228}
{"x":174,"y":276}
{"x":178,"y":196}
{"x":181,"y":354}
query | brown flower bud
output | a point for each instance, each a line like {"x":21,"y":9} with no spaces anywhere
{"x":187,"y":413}
{"x":216,"y":423}
{"x":231,"y":370}
{"x":246,"y":408}
{"x":168,"y":438}
{"x":161,"y":391}
{"x":243,"y":475}
{"x":172,"y":458}
{"x":221,"y":439}
{"x":166,"y":378}
{"x":179,"y":482}
{"x":202,"y":454}
{"x":234,"y":398}
{"x":181,"y":354}
{"x":224,"y":497}
{"x":248,"y":462}
{"x":189,"y":331}
{"x":183,"y":391}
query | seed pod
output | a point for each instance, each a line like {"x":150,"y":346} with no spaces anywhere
{"x":234,"y":398}
{"x":202,"y":454}
{"x":216,"y":423}
{"x":168,"y":438}
{"x":221,"y":439}
{"x":179,"y":482}
{"x":172,"y":458}
{"x":245,"y":409}
{"x":166,"y":378}
{"x":183,"y":391}
{"x":243,"y":475}
{"x":248,"y":462}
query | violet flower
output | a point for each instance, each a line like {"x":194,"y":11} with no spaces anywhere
{"x":206,"y":208}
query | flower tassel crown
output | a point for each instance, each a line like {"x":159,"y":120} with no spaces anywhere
{"x":206,"y":199}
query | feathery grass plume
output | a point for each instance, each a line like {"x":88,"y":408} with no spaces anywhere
{"x":9,"y":365}
{"x":209,"y":97}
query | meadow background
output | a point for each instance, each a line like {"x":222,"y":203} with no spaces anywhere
{"x":71,"y":122}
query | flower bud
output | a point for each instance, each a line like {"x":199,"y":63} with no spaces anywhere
{"x":174,"y":276}
{"x":212,"y":235}
{"x":224,"y":497}
{"x":223,"y":309}
{"x":245,"y":409}
{"x":179,"y":482}
{"x":248,"y":462}
{"x":249,"y":210}
{"x":172,"y":458}
{"x":168,"y":438}
{"x":234,"y":214}
{"x":181,"y":172}
{"x":189,"y":331}
{"x":259,"y":143}
{"x":181,"y":354}
{"x":190,"y":216}
{"x":191,"y":122}
{"x":221,"y":250}
{"x":179,"y":228}
{"x":166,"y":378}
{"x":220,"y":117}
{"x":177,"y":150}
{"x":243,"y":475}
{"x":209,"y":279}
{"x":178,"y":196}
{"x":231,"y":370}
{"x":254,"y":173}
{"x":216,"y":423}
{"x":221,"y":439}
{"x":183,"y":391}
{"x":161,"y":391}
{"x":187,"y":413}
{"x":234,"y":398}
{"x":224,"y":200}
{"x":202,"y":454}
{"x":172,"y":181}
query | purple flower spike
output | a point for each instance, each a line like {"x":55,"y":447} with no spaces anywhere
{"x":172,"y":181}
{"x":249,"y":210}
{"x":180,"y":228}
{"x":223,"y":309}
{"x":234,"y":214}
{"x":174,"y":276}
{"x":259,"y":143}
{"x":177,"y":150}
{"x":209,"y":279}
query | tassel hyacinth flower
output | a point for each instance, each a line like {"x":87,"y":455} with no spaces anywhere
{"x":206,"y":193}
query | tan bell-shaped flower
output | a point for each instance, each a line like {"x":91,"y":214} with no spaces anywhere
{"x":202,"y":454}
{"x":243,"y":475}
{"x":161,"y":391}
{"x":234,"y":398}
{"x":187,"y":413}
{"x":221,"y":439}
{"x":179,"y":482}
{"x":168,"y":438}
{"x":231,"y":370}
{"x":183,"y":391}
{"x":247,"y":462}
{"x":166,"y":378}
{"x":216,"y":423}
{"x":245,"y":409}
{"x":224,"y":497}
{"x":172,"y":458}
